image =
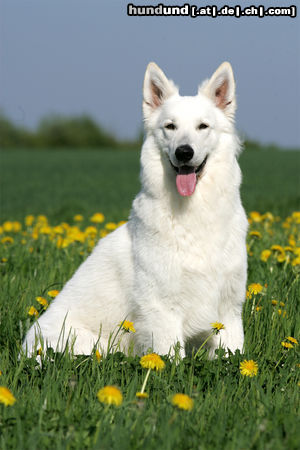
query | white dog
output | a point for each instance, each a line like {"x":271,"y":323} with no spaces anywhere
{"x":180,"y":262}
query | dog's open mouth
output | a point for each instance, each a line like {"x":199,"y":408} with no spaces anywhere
{"x":187,"y":176}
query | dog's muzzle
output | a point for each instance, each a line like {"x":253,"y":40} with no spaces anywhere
{"x":189,"y":169}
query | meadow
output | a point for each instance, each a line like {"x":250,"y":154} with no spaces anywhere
{"x":55,"y":205}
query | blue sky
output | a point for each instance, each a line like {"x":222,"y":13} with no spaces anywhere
{"x":88,"y":56}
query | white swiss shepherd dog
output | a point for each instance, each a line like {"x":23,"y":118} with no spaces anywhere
{"x":180,"y":262}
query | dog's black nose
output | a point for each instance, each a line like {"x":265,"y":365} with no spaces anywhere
{"x":184,"y":153}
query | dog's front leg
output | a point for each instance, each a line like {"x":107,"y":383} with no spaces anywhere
{"x":160,"y":331}
{"x":230,"y":314}
{"x":231,"y":338}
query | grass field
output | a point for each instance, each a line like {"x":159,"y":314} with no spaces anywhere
{"x":56,"y":403}
{"x":62,"y":183}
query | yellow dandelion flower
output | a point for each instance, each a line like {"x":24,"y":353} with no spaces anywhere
{"x":296,"y":261}
{"x":103,"y":233}
{"x":1,"y":373}
{"x":296,"y":215}
{"x":110,"y":226}
{"x":281,"y":313}
{"x":277,"y":248}
{"x":110,"y":395}
{"x":7,"y":226}
{"x":142,"y":395}
{"x":6,"y":396}
{"x":42,"y":301}
{"x":274,"y":302}
{"x":265,"y":254}
{"x":58,"y":229}
{"x":78,"y":236}
{"x":65,"y":226}
{"x":288,"y":248}
{"x":281,"y":257}
{"x":33,"y":311}
{"x":258,"y":308}
{"x":287,"y":344}
{"x":45,"y":229}
{"x":268,"y":216}
{"x":183,"y":401}
{"x":42,"y":219}
{"x":254,"y":289}
{"x":292,"y":339}
{"x":66,"y":242}
{"x":90,"y":231}
{"x":152,"y":361}
{"x":249,"y":368}
{"x":7,"y":240}
{"x":122,"y":222}
{"x":97,"y":218}
{"x":98,"y":355}
{"x":217,"y":326}
{"x":127,"y":326}
{"x":29,"y":220}
{"x":78,"y":218}
{"x":4,"y":260}
{"x":281,"y":304}
{"x":16,"y":226}
{"x":35,"y":233}
{"x":255,"y":234}
{"x":59,"y":242}
{"x":91,"y":243}
{"x":53,"y":293}
{"x":255,"y":216}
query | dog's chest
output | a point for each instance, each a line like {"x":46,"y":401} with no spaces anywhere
{"x":176,"y":262}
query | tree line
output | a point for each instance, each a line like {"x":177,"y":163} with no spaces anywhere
{"x":60,"y":132}
{"x":74,"y":132}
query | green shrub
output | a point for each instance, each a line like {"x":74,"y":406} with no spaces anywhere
{"x":82,"y":131}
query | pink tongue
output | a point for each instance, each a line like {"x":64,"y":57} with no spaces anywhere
{"x":186,"y":183}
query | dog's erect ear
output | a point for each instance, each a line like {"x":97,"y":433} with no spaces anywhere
{"x":220,"y":88}
{"x":157,"y":88}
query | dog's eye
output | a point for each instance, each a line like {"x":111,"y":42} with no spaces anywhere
{"x":170,"y":126}
{"x":202,"y":126}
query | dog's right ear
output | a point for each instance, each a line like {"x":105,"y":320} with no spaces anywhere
{"x":157,"y":88}
{"x":220,"y":88}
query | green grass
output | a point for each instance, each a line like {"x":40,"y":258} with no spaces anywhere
{"x":62,"y":183}
{"x":57,"y":406}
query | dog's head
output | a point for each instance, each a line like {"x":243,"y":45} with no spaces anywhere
{"x":188,"y":129}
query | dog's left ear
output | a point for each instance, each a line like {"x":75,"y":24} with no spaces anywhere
{"x":220,"y":88}
{"x":157,"y":88}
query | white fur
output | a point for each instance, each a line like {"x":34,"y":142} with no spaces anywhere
{"x":180,"y":263}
